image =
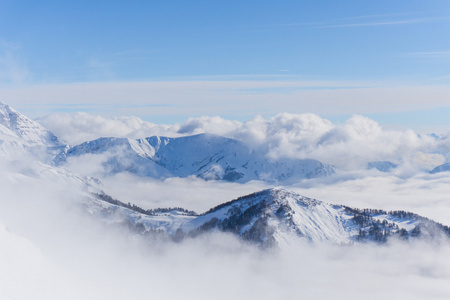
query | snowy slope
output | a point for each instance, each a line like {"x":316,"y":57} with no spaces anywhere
{"x":18,"y":127}
{"x":20,"y":135}
{"x":117,"y":155}
{"x":276,"y":216}
{"x":204,"y":155}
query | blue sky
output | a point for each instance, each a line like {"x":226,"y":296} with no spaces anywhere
{"x":318,"y":51}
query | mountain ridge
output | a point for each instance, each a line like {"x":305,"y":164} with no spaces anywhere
{"x":208,"y":156}
{"x":278,"y":218}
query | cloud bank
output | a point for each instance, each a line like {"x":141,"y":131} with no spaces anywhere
{"x":76,"y":128}
{"x":348,"y":146}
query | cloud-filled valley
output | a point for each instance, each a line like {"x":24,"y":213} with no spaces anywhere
{"x":114,"y":264}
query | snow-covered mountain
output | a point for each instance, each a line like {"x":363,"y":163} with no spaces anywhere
{"x":274,"y":217}
{"x":382,"y":166}
{"x":19,"y":127}
{"x":19,"y":134}
{"x":441,"y":168}
{"x":205,"y":155}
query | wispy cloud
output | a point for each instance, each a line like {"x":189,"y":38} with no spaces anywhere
{"x":430,"y":55}
{"x":377,"y":23}
{"x":13,"y":69}
{"x":368,"y":21}
{"x":97,"y":69}
{"x":379,"y":16}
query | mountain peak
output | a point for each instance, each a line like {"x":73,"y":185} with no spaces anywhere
{"x":281,"y":196}
{"x":26,"y":130}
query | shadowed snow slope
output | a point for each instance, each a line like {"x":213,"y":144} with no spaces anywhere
{"x":383,"y":166}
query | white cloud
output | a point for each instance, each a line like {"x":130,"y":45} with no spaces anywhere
{"x":214,"y":125}
{"x":191,"y":193}
{"x":349,"y":146}
{"x":76,"y":128}
{"x":379,"y":23}
{"x":424,"y":194}
{"x":428,"y":160}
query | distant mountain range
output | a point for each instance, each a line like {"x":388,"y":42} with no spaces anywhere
{"x":207,"y":156}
